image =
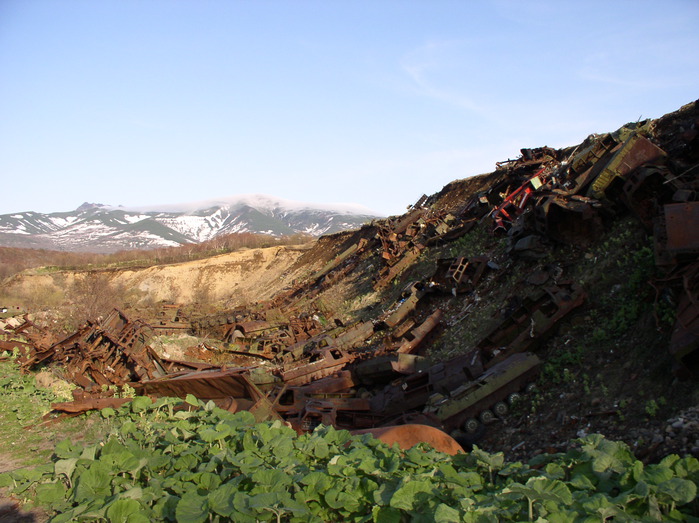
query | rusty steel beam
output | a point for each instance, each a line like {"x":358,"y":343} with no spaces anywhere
{"x":326,"y":362}
{"x":407,"y":259}
{"x":353,"y":336}
{"x":421,"y":332}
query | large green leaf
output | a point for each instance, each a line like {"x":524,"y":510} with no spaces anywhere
{"x":186,"y":462}
{"x":446,"y":514}
{"x":165,"y":507}
{"x":386,"y":515}
{"x":50,"y":493}
{"x":581,"y":482}
{"x":316,"y":483}
{"x":342,"y":501}
{"x":128,"y":428}
{"x":67,"y":449}
{"x":141,"y":403}
{"x":6,"y":479}
{"x":657,"y":474}
{"x":679,"y":490}
{"x":192,"y":508}
{"x":412,"y":494}
{"x":65,"y":467}
{"x":321,"y":449}
{"x":493,"y":461}
{"x":221,"y":499}
{"x":93,"y":483}
{"x":207,"y":480}
{"x":192,"y":400}
{"x":123,"y":461}
{"x":270,"y":479}
{"x":687,"y":467}
{"x":282,"y":446}
{"x":122,"y":509}
{"x":543,"y":489}
{"x":601,"y":506}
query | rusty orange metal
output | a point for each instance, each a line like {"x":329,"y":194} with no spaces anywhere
{"x":407,"y":436}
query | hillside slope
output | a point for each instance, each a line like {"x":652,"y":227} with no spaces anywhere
{"x":577,"y":256}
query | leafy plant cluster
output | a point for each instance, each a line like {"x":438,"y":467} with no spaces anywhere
{"x":193,"y":462}
{"x":17,"y":391}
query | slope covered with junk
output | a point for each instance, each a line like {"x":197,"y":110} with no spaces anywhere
{"x":553,"y":297}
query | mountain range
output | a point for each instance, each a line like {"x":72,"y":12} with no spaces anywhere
{"x":103,"y":228}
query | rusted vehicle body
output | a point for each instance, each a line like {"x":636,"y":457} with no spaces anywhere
{"x":388,"y":367}
{"x":634,"y":152}
{"x":413,"y":391}
{"x":495,"y":389}
{"x":528,"y":323}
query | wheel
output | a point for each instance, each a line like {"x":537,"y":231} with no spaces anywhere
{"x":531,"y":387}
{"x":487,"y":417}
{"x":501,"y":409}
{"x":514,"y":398}
{"x":471,"y":425}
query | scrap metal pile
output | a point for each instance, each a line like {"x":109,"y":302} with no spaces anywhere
{"x":113,"y":351}
{"x":306,"y":366}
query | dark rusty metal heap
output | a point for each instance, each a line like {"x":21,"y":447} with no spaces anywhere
{"x":312,"y":368}
{"x":113,"y":351}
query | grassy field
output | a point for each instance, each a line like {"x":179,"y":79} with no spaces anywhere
{"x":25,"y":438}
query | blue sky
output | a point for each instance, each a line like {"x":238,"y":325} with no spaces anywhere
{"x":372,"y":102}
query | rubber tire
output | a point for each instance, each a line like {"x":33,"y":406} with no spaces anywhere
{"x":501,"y":409}
{"x":486,"y":417}
{"x":514,"y":398}
{"x":471,"y":425}
{"x":531,"y":387}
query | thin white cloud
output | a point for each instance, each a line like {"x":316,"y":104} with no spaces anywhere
{"x":433,"y":59}
{"x":657,"y":66}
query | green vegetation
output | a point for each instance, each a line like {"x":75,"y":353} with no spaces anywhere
{"x":189,"y":461}
{"x":22,"y":404}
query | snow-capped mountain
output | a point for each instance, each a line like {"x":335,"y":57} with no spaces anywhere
{"x":103,"y":228}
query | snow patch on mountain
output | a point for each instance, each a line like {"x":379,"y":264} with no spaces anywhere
{"x":260,"y":202}
{"x":103,"y":228}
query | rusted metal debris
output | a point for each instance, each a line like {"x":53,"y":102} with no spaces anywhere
{"x":490,"y":394}
{"x":312,"y":368}
{"x":570,"y":219}
{"x":459,"y":275}
{"x":677,"y":233}
{"x":170,"y":320}
{"x":684,"y":340}
{"x":407,"y":436}
{"x":634,"y":152}
{"x":528,"y":320}
{"x":321,"y":364}
{"x":113,"y":351}
{"x":417,"y":336}
{"x":514,"y":203}
{"x":25,"y":335}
